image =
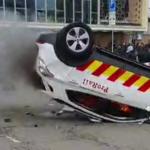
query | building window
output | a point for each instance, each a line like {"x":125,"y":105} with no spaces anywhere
{"x":1,"y":3}
{"x":20,"y":10}
{"x":104,"y":11}
{"x":69,"y":11}
{"x":94,"y":11}
{"x":51,"y":10}
{"x":122,"y":10}
{"x":41,"y":10}
{"x":86,"y":11}
{"x":1,"y":9}
{"x":31,"y":10}
{"x":60,"y":11}
{"x":78,"y":11}
{"x":9,"y":10}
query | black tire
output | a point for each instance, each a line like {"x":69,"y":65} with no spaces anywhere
{"x":83,"y":48}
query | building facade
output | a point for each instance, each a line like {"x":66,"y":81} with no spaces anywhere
{"x":130,"y":14}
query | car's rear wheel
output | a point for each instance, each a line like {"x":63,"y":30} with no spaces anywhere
{"x":74,"y":43}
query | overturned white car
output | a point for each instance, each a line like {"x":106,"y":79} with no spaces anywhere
{"x":91,"y":81}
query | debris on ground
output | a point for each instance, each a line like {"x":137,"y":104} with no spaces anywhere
{"x":7,"y":120}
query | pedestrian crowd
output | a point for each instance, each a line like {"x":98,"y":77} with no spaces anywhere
{"x":139,"y":52}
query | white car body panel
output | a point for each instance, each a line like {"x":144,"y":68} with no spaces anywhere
{"x":66,"y":77}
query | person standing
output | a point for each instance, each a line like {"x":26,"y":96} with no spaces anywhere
{"x":130,"y":53}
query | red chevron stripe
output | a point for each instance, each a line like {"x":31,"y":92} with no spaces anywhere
{"x":145,"y":87}
{"x":132,"y":80}
{"x":101,"y":69}
{"x":116,"y":75}
{"x":83,"y":67}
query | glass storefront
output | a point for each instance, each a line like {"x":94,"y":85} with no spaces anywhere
{"x":30,"y":10}
{"x":62,"y":11}
{"x":1,"y":9}
{"x":69,"y":11}
{"x":51,"y":11}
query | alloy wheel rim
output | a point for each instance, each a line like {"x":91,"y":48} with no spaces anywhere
{"x":77,"y":39}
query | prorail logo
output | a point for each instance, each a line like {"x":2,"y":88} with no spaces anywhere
{"x":95,"y":85}
{"x":116,"y":75}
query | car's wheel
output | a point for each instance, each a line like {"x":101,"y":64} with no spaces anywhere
{"x":74,"y":42}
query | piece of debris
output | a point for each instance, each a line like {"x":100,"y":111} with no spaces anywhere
{"x":13,"y":139}
{"x":29,"y":114}
{"x":7,"y":120}
{"x":35,"y":125}
{"x":53,"y":112}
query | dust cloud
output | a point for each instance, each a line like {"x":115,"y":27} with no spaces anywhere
{"x":18,"y":84}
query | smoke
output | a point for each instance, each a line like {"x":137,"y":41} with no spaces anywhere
{"x":17,"y":58}
{"x":17,"y":51}
{"x":10,"y":15}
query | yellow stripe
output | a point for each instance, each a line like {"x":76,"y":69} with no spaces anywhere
{"x":123,"y":78}
{"x":140,"y":82}
{"x":95,"y":65}
{"x":110,"y":71}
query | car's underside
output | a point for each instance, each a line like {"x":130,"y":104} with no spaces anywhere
{"x":90,"y":80}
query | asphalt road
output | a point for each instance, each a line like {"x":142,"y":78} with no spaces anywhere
{"x":26,"y":121}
